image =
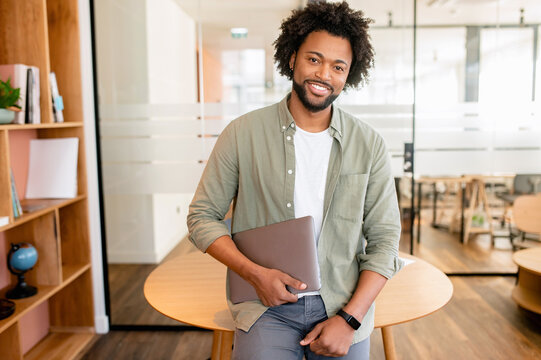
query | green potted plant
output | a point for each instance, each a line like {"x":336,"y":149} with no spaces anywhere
{"x":8,"y":102}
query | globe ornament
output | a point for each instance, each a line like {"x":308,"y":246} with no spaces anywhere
{"x":21,"y":258}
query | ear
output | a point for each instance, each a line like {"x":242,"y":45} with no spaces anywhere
{"x":292,"y":61}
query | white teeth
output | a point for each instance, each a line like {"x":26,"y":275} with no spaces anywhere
{"x":319,"y":87}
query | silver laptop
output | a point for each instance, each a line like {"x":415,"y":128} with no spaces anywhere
{"x":288,"y":246}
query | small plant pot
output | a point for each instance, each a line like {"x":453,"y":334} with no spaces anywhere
{"x":6,"y":116}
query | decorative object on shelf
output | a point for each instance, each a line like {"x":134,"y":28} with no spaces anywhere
{"x":21,"y":258}
{"x":8,"y":102}
{"x":26,"y":78}
{"x":52,"y":168}
{"x":7,"y":308}
{"x":58,"y":102}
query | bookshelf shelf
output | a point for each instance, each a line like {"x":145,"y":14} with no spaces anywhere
{"x":59,"y":346}
{"x":23,"y":306}
{"x":45,"y":34}
{"x":70,"y":124}
{"x":41,"y":207}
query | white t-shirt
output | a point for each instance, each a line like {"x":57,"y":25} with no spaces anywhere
{"x":312,"y":152}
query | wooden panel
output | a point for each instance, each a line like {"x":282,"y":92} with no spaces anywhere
{"x":74,"y":234}
{"x":6,"y":208}
{"x":9,"y":343}
{"x":72,"y":306}
{"x":62,"y":16}
{"x":59,"y":346}
{"x":23,"y":40}
{"x":41,"y":233}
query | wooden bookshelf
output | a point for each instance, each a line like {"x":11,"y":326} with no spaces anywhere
{"x":45,"y":33}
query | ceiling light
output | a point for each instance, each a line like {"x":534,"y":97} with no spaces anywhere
{"x":238,"y":33}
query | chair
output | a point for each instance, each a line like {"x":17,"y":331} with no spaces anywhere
{"x":527,"y":217}
{"x":523,"y":184}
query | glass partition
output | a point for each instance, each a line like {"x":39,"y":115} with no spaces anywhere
{"x":477,"y":128}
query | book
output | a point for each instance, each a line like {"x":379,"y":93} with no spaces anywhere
{"x":21,"y":76}
{"x":52,"y":169}
{"x":17,"y":208}
{"x":29,"y":102}
{"x":58,"y":103}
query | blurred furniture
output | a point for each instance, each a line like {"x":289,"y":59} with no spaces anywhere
{"x":191,"y":289}
{"x":470,"y":211}
{"x":527,"y":219}
{"x":523,"y":184}
{"x":527,"y":292}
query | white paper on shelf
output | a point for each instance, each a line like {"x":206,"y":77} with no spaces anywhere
{"x":52,"y":169}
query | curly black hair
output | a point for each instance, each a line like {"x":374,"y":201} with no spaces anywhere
{"x":337,"y":19}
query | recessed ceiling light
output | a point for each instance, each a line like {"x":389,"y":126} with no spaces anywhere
{"x":238,"y":33}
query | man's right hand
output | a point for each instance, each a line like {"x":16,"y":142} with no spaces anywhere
{"x":270,"y":286}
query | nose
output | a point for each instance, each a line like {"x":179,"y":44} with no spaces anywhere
{"x":324,"y":72}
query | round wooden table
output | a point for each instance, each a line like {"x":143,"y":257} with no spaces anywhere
{"x":527,"y":292}
{"x":191,"y":289}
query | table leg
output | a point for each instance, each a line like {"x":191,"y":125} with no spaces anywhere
{"x":388,"y":343}
{"x":222,"y":344}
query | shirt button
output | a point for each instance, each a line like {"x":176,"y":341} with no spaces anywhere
{"x":288,"y":205}
{"x":288,"y":137}
{"x":290,"y":171}
{"x":293,"y":125}
{"x":283,"y":127}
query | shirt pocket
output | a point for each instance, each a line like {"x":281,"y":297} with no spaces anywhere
{"x":349,"y":195}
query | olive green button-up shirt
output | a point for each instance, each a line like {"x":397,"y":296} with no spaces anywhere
{"x":250,"y":164}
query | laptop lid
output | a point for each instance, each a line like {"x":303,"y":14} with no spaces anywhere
{"x":288,"y":246}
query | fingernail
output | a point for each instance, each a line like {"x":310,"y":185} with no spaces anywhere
{"x":303,"y":286}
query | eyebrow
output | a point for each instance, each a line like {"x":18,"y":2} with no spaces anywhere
{"x":321,"y":56}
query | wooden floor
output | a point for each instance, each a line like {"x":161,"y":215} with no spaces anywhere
{"x":480,"y":322}
{"x":445,"y":251}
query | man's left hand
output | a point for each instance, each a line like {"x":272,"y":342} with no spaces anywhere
{"x":331,"y":337}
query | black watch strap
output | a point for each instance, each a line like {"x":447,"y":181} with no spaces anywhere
{"x":354,"y":323}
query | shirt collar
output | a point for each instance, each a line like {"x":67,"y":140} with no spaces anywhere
{"x":286,"y":119}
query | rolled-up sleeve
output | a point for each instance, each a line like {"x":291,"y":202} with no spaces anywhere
{"x":381,"y":227}
{"x":216,"y":189}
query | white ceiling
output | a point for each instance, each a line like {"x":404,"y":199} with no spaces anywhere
{"x":263,"y":17}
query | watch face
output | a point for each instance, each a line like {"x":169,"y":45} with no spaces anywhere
{"x":354,"y":323}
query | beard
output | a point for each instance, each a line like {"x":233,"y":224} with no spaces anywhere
{"x":311,"y":106}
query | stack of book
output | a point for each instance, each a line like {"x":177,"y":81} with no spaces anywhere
{"x":26,"y":78}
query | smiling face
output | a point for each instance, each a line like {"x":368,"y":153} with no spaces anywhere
{"x":320,"y":69}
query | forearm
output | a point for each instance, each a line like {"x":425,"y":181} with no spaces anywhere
{"x":369,"y":286}
{"x":225,"y":251}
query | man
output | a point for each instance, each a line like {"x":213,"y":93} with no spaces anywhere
{"x":301,"y":157}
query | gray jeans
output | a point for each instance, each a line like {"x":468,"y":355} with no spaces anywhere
{"x":277,"y":333}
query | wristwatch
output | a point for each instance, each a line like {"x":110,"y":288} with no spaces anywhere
{"x":354,"y":323}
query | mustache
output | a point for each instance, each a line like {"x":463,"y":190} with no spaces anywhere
{"x":322,"y":83}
